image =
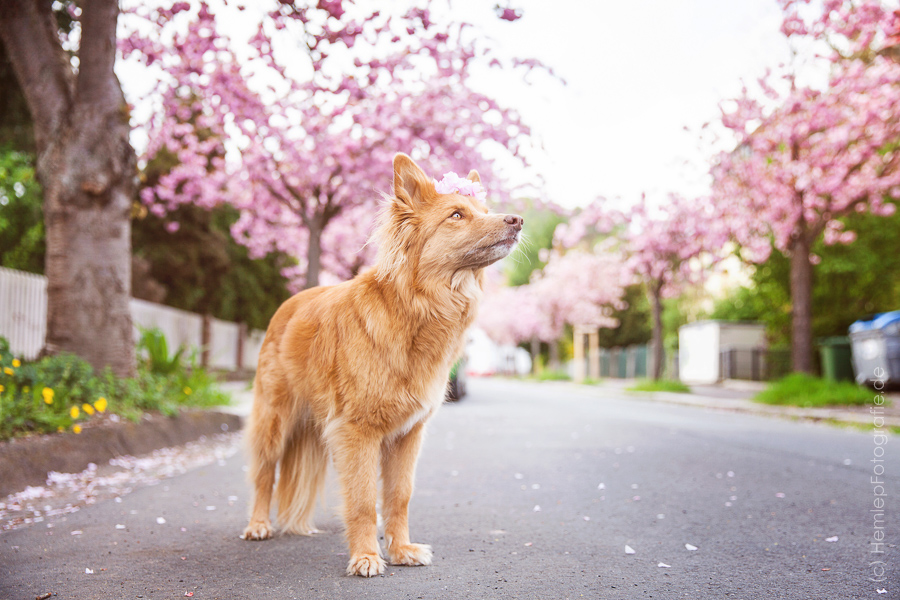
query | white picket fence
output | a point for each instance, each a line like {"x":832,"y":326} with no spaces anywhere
{"x":23,"y":321}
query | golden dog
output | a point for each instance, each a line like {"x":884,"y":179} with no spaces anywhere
{"x":354,"y":371}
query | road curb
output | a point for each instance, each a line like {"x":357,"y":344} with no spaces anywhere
{"x":839,"y":416}
{"x":858,"y":416}
{"x":26,"y":461}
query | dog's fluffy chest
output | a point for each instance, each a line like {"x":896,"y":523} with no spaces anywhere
{"x":427,"y":405}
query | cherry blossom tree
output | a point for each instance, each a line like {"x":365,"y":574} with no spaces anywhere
{"x":805,"y":157}
{"x":87,"y":165}
{"x":664,"y":248}
{"x":667,"y":249}
{"x":510,"y":315}
{"x":314,"y":154}
{"x":574,"y":288}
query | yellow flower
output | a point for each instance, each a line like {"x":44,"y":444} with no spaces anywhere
{"x":76,"y":428}
{"x":8,"y":371}
{"x":101,"y":404}
{"x":47,"y":393}
{"x":1,"y":389}
{"x":87,"y":408}
{"x":187,"y":391}
{"x":74,"y":412}
{"x":60,"y":429}
{"x":16,"y":363}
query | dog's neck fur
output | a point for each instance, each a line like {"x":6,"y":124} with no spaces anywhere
{"x":443,"y":301}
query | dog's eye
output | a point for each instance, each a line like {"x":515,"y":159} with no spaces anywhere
{"x":456,"y":215}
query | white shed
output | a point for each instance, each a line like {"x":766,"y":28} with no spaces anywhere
{"x":701,"y":344}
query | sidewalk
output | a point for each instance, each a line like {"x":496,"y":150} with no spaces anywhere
{"x":26,"y":461}
{"x":241,"y":398}
{"x":736,"y":395}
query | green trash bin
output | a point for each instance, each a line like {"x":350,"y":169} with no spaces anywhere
{"x":837,"y":363}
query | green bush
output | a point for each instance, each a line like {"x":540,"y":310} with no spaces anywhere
{"x":154,"y":349}
{"x":807,"y":391}
{"x":553,"y":376}
{"x":63,"y":392}
{"x":659,"y":385}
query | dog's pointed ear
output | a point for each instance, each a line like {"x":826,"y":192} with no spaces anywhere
{"x":411,"y":184}
{"x":474,"y":176}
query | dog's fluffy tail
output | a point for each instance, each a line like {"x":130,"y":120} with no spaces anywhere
{"x":302,"y":479}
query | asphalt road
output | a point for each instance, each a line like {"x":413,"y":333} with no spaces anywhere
{"x":524,"y":491}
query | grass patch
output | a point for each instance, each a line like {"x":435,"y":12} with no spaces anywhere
{"x":659,"y":385}
{"x":803,"y":390}
{"x":553,"y":376}
{"x":63,"y":393}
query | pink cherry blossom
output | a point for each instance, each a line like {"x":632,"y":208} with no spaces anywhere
{"x":807,"y":156}
{"x":574,"y":288}
{"x":304,"y":160}
{"x":452,"y":183}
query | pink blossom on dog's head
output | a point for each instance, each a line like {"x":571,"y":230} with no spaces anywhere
{"x":454,"y":184}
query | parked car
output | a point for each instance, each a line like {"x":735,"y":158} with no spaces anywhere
{"x":457,"y":387}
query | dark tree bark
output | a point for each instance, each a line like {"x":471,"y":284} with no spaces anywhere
{"x":87,"y":168}
{"x":554,"y":361}
{"x":656,"y":342}
{"x":801,"y":305}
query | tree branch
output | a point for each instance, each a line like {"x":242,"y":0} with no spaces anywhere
{"x":97,"y":83}
{"x":29,"y":33}
{"x":298,"y":209}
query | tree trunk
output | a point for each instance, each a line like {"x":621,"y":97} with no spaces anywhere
{"x":554,"y":356}
{"x":314,"y":254}
{"x":205,"y":339}
{"x":535,"y":354}
{"x":801,"y":303}
{"x":88,"y":172}
{"x":656,"y":341}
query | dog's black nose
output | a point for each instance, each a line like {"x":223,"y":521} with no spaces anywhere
{"x":514,"y":220}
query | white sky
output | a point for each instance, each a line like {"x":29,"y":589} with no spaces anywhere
{"x":638,"y":73}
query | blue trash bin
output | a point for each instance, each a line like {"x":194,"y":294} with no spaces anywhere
{"x":875,"y":344}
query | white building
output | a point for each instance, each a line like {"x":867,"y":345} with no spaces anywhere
{"x":485,"y":357}
{"x":701,"y":346}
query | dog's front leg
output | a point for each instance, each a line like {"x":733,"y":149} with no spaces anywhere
{"x":398,"y":469}
{"x":355,"y":453}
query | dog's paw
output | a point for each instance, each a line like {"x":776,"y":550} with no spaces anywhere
{"x":366,"y":565}
{"x":258,"y":531}
{"x":411,"y":555}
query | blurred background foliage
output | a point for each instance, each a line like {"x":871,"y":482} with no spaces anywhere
{"x":22,"y":244}
{"x":851,"y":282}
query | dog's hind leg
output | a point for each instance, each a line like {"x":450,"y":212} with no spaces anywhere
{"x":398,"y":467}
{"x":265,"y":440}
